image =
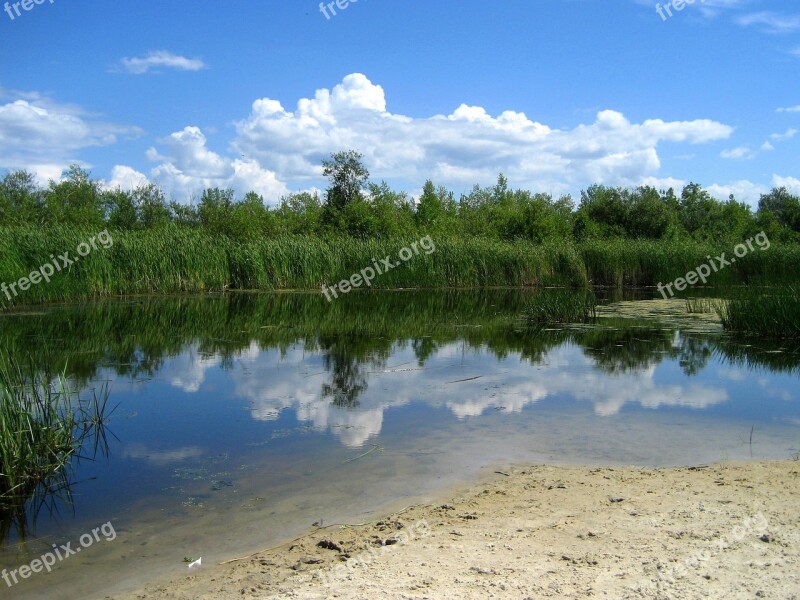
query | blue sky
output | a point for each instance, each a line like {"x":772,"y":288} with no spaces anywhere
{"x":557,"y":94}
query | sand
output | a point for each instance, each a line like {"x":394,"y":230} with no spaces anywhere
{"x":729,"y":530}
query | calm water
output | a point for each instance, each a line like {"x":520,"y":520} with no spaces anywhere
{"x":241,"y":420}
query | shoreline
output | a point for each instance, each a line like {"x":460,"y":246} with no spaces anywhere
{"x":726,"y":530}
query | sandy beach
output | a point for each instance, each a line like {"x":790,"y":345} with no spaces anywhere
{"x":727,"y":530}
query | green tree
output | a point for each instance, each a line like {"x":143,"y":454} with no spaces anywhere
{"x":299,"y":213}
{"x":437,"y":210}
{"x":348,"y":178}
{"x":184,"y":214}
{"x":151,"y":206}
{"x":784,"y":206}
{"x":76,"y":200}
{"x":120,"y":209}
{"x":215,"y":210}
{"x":251,"y":219}
{"x":20,"y":199}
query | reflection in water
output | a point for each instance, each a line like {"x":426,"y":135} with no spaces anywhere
{"x":348,"y":381}
{"x":340,"y":366}
{"x":253,"y":406}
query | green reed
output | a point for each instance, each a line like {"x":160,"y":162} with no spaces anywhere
{"x":764,"y":312}
{"x":43,"y":428}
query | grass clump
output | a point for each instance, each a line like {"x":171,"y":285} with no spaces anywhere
{"x":43,"y":427}
{"x":702,"y":306}
{"x":768,"y":313}
{"x":562,"y":306}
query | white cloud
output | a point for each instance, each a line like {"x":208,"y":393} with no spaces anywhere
{"x":743,"y":190}
{"x":125,"y":178}
{"x":462,"y":148}
{"x":789,"y":109}
{"x":771,"y":22}
{"x":44,"y":137}
{"x":741,"y":152}
{"x":790,"y":183}
{"x":160,"y":59}
{"x":189,"y":166}
{"x":664,"y":183}
{"x":787,"y":135}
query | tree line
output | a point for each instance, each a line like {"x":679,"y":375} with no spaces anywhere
{"x":355,"y":206}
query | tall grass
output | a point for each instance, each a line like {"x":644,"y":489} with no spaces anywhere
{"x":43,"y":428}
{"x":175,"y":259}
{"x":769,"y":313}
{"x":647,"y":262}
{"x":562,"y":306}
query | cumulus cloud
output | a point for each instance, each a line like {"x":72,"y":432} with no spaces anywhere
{"x":273,"y":145}
{"x":160,"y":59}
{"x":466,"y":146}
{"x":789,"y":109}
{"x":44,"y":137}
{"x":125,"y":178}
{"x":790,"y":183}
{"x":188,"y":166}
{"x":743,"y":190}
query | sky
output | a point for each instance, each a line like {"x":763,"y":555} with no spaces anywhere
{"x":556,"y":94}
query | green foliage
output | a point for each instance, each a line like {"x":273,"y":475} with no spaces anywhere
{"x":768,"y":312}
{"x":498,"y":235}
{"x":76,"y":200}
{"x":562,"y":306}
{"x":355,"y":207}
{"x":348,"y":178}
{"x":43,"y":427}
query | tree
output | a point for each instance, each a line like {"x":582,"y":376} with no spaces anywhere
{"x":76,"y":200}
{"x":436,"y":209}
{"x":251,"y":219}
{"x":299,"y":214}
{"x":120,"y":209}
{"x":151,"y":206}
{"x":215,"y":209}
{"x":20,"y":199}
{"x":348,"y":177}
{"x":184,"y":214}
{"x":782,"y":204}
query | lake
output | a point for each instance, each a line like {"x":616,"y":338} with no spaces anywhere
{"x":240,"y":420}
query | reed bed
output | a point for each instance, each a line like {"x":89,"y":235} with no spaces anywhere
{"x":767,"y":312}
{"x":562,"y":306}
{"x":177,"y":259}
{"x":43,"y":428}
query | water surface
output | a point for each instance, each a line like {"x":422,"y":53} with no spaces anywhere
{"x":243,"y":419}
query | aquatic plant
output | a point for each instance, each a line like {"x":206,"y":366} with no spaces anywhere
{"x":43,"y":428}
{"x":562,"y":306}
{"x":764,"y":312}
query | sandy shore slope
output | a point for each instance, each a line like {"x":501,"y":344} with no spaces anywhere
{"x":722,"y":531}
